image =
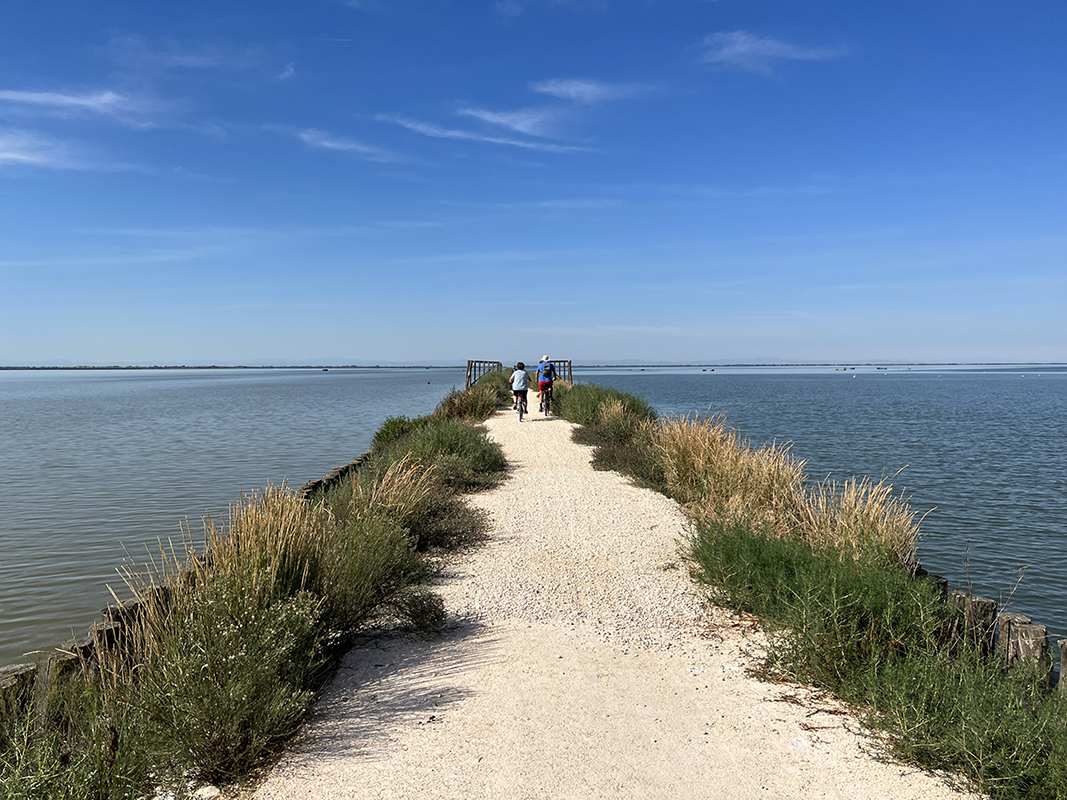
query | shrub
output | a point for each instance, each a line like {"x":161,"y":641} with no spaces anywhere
{"x":401,"y":489}
{"x":396,"y":428}
{"x":476,"y":403}
{"x":581,"y":403}
{"x":227,"y":679}
{"x":861,"y":628}
{"x":463,"y":457}
{"x":500,"y":382}
{"x":229,"y":658}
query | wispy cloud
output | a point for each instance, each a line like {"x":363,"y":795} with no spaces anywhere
{"x":124,"y":108}
{"x":437,"y":132}
{"x":328,"y":141}
{"x":742,"y":50}
{"x":31,"y":149}
{"x":287,"y":73}
{"x":530,"y":121}
{"x":513,"y":8}
{"x":135,"y":52}
{"x":583,"y":90}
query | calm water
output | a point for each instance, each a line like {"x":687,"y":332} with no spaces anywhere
{"x":986,"y":450}
{"x":91,"y":461}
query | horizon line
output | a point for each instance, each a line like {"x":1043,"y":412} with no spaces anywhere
{"x":83,"y":367}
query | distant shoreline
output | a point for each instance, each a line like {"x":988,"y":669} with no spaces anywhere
{"x":1006,"y":364}
{"x":244,"y":366}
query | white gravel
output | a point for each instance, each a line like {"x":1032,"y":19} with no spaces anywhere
{"x":579,"y":662}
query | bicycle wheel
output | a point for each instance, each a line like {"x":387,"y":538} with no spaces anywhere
{"x":548,"y":401}
{"x":522,"y":407}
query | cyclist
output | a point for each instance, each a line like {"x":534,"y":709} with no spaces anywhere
{"x":546,"y":373}
{"x":520,"y":384}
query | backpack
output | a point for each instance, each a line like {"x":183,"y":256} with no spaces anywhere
{"x":547,"y":371}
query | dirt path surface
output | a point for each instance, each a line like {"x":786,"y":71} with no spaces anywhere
{"x":578,"y":662}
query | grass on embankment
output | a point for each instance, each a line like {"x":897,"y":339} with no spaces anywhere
{"x":234,"y":644}
{"x":826,"y":568}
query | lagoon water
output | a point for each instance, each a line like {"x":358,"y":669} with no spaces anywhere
{"x":91,"y":461}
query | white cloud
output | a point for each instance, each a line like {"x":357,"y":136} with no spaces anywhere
{"x":531,"y":121}
{"x":106,"y":102}
{"x":326,"y":141}
{"x":32,"y":149}
{"x":127,"y":109}
{"x":437,"y":132}
{"x":582,"y":90}
{"x":287,"y":73}
{"x":757,"y":54}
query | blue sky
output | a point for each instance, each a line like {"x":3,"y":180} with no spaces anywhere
{"x":389,"y":181}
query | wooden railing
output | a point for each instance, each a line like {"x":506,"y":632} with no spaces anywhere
{"x":563,"y":369}
{"x":476,"y":369}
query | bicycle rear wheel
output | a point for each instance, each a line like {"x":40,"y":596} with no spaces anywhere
{"x":522,"y":407}
{"x":548,"y":401}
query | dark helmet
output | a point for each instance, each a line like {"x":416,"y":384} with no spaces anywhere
{"x":520,"y":365}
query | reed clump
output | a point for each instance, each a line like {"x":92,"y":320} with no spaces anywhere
{"x":715,"y":474}
{"x":721,"y":477}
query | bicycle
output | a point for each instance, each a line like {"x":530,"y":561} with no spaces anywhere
{"x":546,"y":399}
{"x":520,"y":404}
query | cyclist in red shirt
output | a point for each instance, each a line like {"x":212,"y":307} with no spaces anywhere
{"x":546,"y":373}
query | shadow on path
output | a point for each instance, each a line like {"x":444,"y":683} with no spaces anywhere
{"x":385,"y":681}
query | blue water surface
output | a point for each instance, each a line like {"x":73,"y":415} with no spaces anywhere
{"x":92,"y":462}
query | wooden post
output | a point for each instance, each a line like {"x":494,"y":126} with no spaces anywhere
{"x":976,"y":618}
{"x":1007,"y":622}
{"x":939,"y":584}
{"x":1062,"y":644}
{"x":17,"y":684}
{"x":1018,"y":641}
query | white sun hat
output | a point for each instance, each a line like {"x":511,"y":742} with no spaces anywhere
{"x":544,"y":358}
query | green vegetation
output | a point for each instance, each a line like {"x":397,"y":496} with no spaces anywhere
{"x":231,"y":645}
{"x":826,"y":567}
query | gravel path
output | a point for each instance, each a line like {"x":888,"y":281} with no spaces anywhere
{"x":578,"y":662}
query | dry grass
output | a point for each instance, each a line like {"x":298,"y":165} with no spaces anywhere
{"x":854,"y":513}
{"x":404,"y":493}
{"x":719,"y":477}
{"x":716,"y":474}
{"x":613,"y":412}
